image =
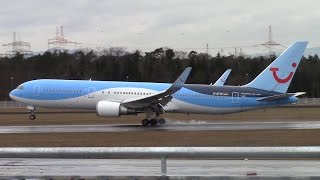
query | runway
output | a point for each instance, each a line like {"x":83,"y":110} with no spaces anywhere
{"x":192,"y":126}
{"x":151,"y":167}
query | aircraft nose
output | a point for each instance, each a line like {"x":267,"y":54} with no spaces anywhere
{"x":12,"y":94}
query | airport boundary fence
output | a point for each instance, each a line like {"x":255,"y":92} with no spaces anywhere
{"x":309,"y":101}
{"x":11,"y":104}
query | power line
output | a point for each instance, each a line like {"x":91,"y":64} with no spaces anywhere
{"x":270,"y":43}
{"x":18,"y":46}
{"x":59,"y":41}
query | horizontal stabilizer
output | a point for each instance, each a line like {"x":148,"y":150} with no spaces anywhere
{"x":297,"y":94}
{"x":280,"y":96}
{"x":275,"y":97}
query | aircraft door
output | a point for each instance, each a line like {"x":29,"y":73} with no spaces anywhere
{"x":36,"y":90}
{"x":91,"y":91}
{"x":235,"y":97}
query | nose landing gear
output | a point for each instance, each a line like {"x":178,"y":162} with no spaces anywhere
{"x":32,"y":115}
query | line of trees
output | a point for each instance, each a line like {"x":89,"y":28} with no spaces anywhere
{"x":160,"y":65}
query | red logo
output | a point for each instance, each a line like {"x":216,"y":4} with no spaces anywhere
{"x":279,"y":80}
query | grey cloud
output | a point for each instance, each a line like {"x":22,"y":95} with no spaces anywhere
{"x":176,"y":23}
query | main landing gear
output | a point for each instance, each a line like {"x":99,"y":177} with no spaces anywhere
{"x":153,"y":122}
{"x":149,"y":121}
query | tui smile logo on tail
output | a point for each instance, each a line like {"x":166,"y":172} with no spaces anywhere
{"x":284,"y":80}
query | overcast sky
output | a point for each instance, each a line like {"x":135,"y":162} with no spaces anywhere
{"x":149,"y":24}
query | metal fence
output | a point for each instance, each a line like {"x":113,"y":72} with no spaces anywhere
{"x":309,"y":101}
{"x":161,"y":152}
{"x":11,"y":104}
{"x":302,"y":101}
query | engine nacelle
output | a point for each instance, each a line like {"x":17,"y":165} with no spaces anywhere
{"x":112,"y":109}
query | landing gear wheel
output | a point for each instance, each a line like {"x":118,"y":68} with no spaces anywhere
{"x":153,"y":122}
{"x":145,"y":122}
{"x":32,"y":117}
{"x":161,"y":121}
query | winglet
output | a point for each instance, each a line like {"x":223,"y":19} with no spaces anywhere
{"x":178,"y":84}
{"x":223,"y":78}
{"x":162,"y":97}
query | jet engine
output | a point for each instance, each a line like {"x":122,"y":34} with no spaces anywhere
{"x":112,"y":109}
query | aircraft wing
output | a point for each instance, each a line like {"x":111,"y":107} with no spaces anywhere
{"x":162,"y":97}
{"x":223,"y":78}
{"x":280,"y":96}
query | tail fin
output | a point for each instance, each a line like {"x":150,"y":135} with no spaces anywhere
{"x":278,"y":75}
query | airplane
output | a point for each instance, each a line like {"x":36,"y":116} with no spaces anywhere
{"x":116,"y":98}
{"x":222,"y":79}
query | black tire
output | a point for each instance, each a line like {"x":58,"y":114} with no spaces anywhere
{"x":161,"y":121}
{"x":32,"y":117}
{"x":145,"y":122}
{"x":153,"y":122}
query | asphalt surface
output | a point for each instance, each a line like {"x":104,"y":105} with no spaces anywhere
{"x":196,"y":125}
{"x":151,"y":167}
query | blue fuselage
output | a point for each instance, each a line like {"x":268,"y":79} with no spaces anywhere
{"x":192,"y":98}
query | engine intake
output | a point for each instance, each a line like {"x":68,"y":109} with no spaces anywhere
{"x":112,"y":109}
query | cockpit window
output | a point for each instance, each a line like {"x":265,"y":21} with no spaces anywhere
{"x":20,"y":87}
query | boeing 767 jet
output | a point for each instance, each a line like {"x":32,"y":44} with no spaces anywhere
{"x":115,"y":98}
